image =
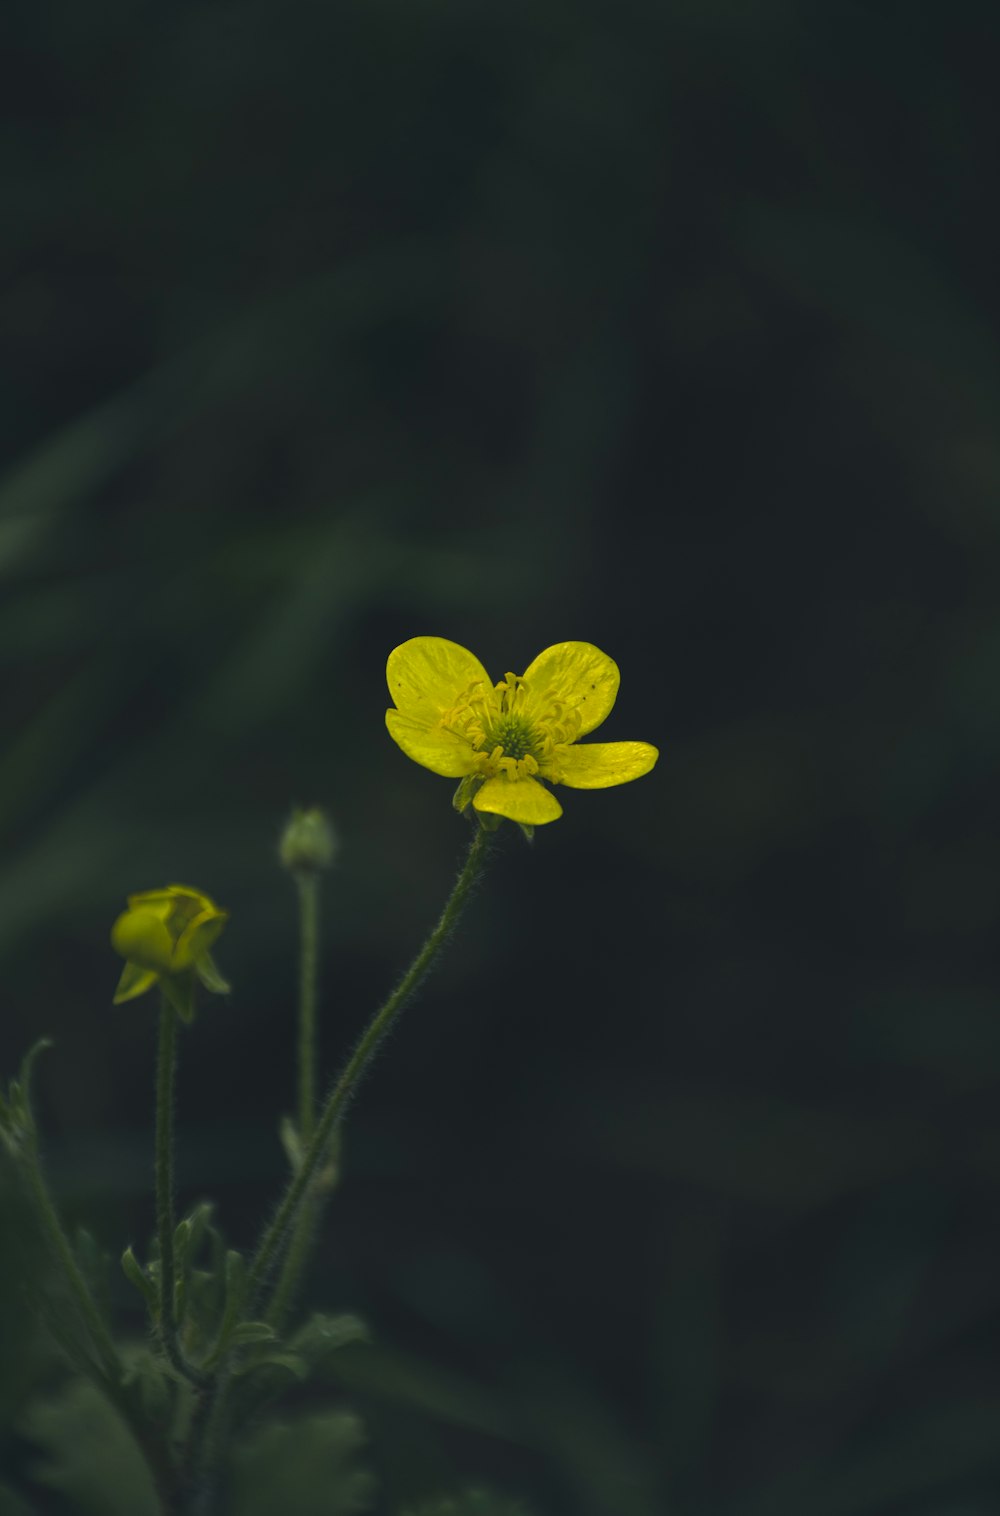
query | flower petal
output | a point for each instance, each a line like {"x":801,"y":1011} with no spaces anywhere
{"x":523,"y":800}
{"x":440,"y":751}
{"x":578,"y":675}
{"x":160,"y":902}
{"x":427,"y":675}
{"x":197,"y":937}
{"x":134,"y":981}
{"x":141,"y":936}
{"x":598,"y":765}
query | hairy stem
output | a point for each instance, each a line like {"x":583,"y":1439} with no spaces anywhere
{"x":308,"y":886}
{"x":165,"y":1223}
{"x":308,"y":881}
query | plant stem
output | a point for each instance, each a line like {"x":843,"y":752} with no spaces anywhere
{"x":307,"y":881}
{"x":206,"y":1434}
{"x":165,"y":1225}
{"x":295,"y":1260}
{"x":308,"y":885}
{"x":278,"y":1231}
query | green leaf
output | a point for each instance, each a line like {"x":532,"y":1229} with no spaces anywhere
{"x":309,"y":1467}
{"x":18,"y":1118}
{"x":232,"y":1285}
{"x":291,"y":1142}
{"x":178,"y":989}
{"x":199,"y":1221}
{"x":137,"y":1276}
{"x":88,"y":1455}
{"x":182,"y":1236}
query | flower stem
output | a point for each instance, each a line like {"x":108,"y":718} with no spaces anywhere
{"x":298,"y":1249}
{"x":276,"y":1236}
{"x":308,"y":886}
{"x":165,"y":1224}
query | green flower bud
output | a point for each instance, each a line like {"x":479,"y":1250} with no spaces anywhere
{"x":308,"y":843}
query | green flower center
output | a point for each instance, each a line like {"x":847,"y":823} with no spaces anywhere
{"x":513,"y":735}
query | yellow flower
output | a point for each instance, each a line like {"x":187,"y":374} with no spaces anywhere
{"x":165,"y":937}
{"x":502,"y":739}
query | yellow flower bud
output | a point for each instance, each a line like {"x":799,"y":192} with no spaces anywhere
{"x":165,"y":936}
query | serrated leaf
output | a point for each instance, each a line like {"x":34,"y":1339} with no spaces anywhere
{"x":309,"y":1466}
{"x":88,"y":1454}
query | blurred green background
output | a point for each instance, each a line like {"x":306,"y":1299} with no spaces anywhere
{"x":670,"y":327}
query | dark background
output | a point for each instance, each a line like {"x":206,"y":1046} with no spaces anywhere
{"x":670,"y":327}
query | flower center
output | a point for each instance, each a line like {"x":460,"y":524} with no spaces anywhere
{"x":494,"y":724}
{"x":512,"y":735}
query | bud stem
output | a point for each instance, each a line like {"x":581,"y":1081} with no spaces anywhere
{"x":308,"y":886}
{"x":307,"y":881}
{"x":165,"y":1225}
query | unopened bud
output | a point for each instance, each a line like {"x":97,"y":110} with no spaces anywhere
{"x":308,"y":842}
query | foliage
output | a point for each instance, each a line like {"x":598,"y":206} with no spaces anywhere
{"x":306,"y":1467}
{"x":88,"y":1455}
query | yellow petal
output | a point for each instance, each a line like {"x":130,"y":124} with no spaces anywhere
{"x":177,"y":904}
{"x":598,"y":765}
{"x":523,"y":800}
{"x":578,"y":675}
{"x":438,"y":750}
{"x":141,"y":937}
{"x":427,"y":675}
{"x":134,"y":981}
{"x":197,"y":937}
{"x":160,"y":902}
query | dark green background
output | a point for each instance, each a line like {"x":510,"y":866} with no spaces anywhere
{"x":671,"y":327}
